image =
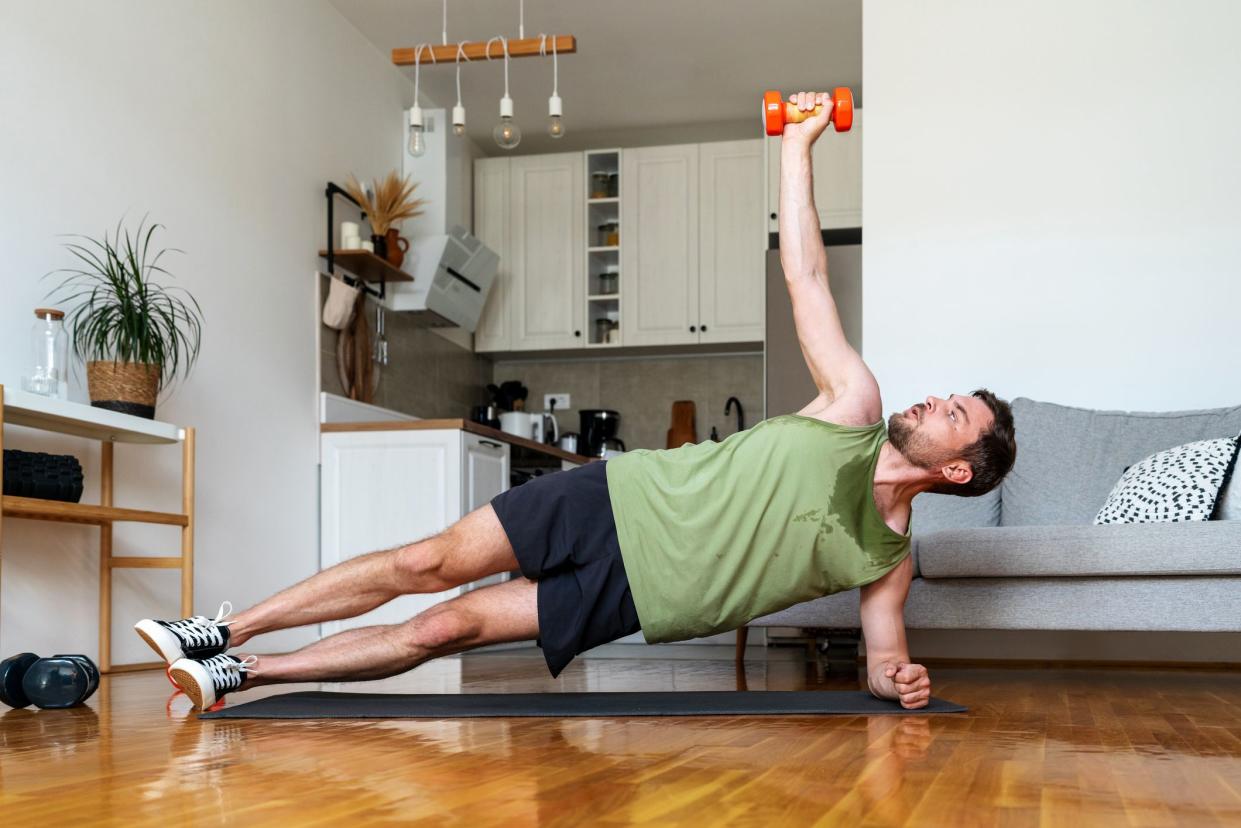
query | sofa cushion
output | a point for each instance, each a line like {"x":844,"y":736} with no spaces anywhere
{"x":1068,"y":458}
{"x":933,"y":512}
{"x":1126,"y":549}
{"x":1181,"y":483}
{"x":1159,"y":603}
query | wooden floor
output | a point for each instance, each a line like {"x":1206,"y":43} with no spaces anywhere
{"x":1038,"y":747}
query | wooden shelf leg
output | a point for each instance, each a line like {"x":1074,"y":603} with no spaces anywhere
{"x":105,"y":560}
{"x":187,"y":531}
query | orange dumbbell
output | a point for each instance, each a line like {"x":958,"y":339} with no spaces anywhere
{"x":777,"y":112}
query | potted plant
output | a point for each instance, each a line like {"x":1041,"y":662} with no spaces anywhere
{"x":387,"y":204}
{"x":134,"y":334}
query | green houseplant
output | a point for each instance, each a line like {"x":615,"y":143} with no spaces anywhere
{"x":134,"y":334}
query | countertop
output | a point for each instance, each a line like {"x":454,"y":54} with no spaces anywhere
{"x":462,"y":424}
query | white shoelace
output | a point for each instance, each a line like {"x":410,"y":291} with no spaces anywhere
{"x":202,"y":631}
{"x":226,"y":671}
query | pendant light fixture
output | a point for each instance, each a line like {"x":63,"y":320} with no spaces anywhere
{"x":555,"y":107}
{"x":417,"y":144}
{"x":458,"y":111}
{"x":507,"y":134}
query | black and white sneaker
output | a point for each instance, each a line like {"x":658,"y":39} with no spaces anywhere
{"x":197,"y":637}
{"x":206,"y":682}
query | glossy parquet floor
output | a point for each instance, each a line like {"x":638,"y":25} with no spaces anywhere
{"x":1038,"y":747}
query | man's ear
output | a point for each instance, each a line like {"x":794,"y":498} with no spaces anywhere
{"x":958,"y":472}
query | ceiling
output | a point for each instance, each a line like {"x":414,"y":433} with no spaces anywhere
{"x":640,"y":64}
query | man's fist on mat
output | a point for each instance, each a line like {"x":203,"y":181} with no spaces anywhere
{"x":907,"y":683}
{"x":809,"y":130}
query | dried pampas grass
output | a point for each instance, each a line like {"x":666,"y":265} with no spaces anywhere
{"x":393,"y":201}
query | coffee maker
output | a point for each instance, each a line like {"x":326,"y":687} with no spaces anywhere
{"x":598,"y":432}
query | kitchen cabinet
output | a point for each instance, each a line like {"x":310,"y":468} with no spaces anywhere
{"x":692,"y":266}
{"x":690,"y":260}
{"x":837,"y":178}
{"x":491,"y":210}
{"x":531,"y":211}
{"x":659,"y":246}
{"x":547,"y":251}
{"x":381,"y":489}
{"x":731,"y":242}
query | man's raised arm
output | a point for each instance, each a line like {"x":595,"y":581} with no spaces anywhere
{"x":834,"y":365}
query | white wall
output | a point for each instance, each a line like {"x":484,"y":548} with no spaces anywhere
{"x":1053,"y":201}
{"x":222,"y":119}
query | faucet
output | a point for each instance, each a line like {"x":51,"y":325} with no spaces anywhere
{"x":728,"y":409}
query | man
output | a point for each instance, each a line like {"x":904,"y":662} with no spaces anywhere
{"x":678,"y":543}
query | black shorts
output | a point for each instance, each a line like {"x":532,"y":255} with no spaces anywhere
{"x":564,"y":536}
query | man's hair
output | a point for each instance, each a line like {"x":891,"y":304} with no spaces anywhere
{"x":991,"y":456}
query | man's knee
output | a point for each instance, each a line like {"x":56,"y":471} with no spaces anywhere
{"x":442,"y":628}
{"x":420,"y":566}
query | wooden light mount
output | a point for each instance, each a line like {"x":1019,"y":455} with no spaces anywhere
{"x":481,"y":50}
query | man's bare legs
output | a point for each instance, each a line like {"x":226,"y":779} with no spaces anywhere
{"x":472,"y":548}
{"x":504,"y":612}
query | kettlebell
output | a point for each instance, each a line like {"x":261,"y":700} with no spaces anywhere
{"x":61,"y":681}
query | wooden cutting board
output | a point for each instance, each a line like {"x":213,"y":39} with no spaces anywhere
{"x":682,"y":430}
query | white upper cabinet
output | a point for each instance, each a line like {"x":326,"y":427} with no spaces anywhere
{"x":659,"y":245}
{"x":837,"y":178}
{"x":547,"y":250}
{"x":491,"y":207}
{"x":731,"y":260}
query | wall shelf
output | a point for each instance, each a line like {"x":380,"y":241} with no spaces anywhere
{"x":367,"y":266}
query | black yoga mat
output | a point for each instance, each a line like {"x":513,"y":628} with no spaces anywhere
{"x":321,"y":705}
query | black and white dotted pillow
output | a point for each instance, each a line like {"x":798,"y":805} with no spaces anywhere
{"x":1179,"y":484}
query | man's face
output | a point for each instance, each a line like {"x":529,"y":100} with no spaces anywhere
{"x":935,"y":432}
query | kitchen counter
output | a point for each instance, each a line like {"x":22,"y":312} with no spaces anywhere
{"x":464,"y":425}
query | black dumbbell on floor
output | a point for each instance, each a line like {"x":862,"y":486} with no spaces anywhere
{"x":48,"y":683}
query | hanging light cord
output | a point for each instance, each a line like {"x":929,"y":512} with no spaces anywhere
{"x":444,"y":28}
{"x":418,"y":65}
{"x":460,"y":55}
{"x":521,"y":18}
{"x":503,"y":42}
{"x":555,"y":67}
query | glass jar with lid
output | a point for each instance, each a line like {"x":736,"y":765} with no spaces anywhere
{"x":49,"y":355}
{"x":609,"y":279}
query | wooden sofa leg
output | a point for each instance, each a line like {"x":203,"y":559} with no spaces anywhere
{"x":838,"y":647}
{"x":742,"y":634}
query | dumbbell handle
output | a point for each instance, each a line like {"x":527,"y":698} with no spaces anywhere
{"x":794,"y":115}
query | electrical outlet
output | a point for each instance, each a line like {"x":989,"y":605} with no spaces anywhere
{"x":561,"y":401}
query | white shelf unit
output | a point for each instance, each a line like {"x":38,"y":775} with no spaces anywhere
{"x":600,"y":255}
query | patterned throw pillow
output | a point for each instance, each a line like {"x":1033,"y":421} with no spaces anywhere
{"x":1182,"y":483}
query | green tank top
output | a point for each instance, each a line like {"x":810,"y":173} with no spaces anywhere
{"x":716,"y":534}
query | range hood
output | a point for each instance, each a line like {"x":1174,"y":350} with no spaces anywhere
{"x":452,"y":274}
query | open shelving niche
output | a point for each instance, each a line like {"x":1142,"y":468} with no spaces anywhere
{"x":599,"y":254}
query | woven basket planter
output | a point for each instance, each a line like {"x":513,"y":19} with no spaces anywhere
{"x":127,"y":387}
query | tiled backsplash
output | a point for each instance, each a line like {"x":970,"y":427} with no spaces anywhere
{"x":429,"y":376}
{"x":644,"y":389}
{"x":426,"y":375}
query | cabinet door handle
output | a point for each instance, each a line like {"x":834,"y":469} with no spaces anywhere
{"x":490,"y":443}
{"x":577,"y":333}
{"x":704,"y":328}
{"x":693,"y":328}
{"x":774,"y":217}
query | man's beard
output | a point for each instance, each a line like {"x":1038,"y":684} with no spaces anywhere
{"x":914,"y":445}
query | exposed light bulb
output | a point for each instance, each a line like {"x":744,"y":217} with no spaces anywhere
{"x":506,"y":133}
{"x":458,"y":120}
{"x":555,"y":123}
{"x":417,"y":144}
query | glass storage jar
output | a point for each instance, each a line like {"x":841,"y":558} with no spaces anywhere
{"x":49,"y":355}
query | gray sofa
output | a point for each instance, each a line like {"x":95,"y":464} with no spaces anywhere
{"x":1027,"y":556}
